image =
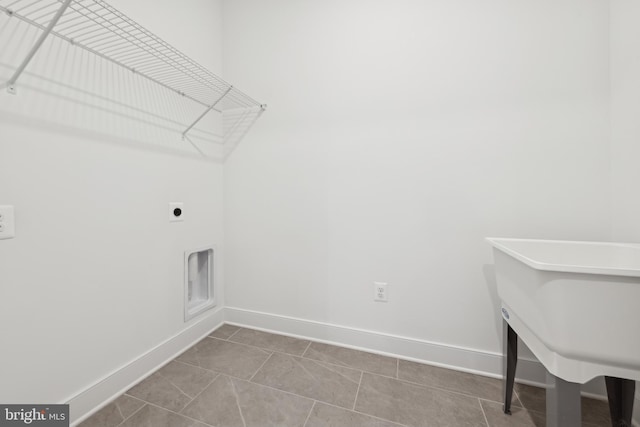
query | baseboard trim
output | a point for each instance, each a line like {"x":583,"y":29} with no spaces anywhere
{"x":479,"y":362}
{"x":446,"y":356}
{"x":107,"y":389}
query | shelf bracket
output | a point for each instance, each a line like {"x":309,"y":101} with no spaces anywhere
{"x":184,"y":134}
{"x":11,"y":84}
{"x":194,"y":146}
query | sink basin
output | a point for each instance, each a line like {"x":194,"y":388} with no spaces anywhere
{"x":575,"y":304}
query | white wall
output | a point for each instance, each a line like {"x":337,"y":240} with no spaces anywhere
{"x":398,"y":136}
{"x":94,"y":278}
{"x":625,"y":109}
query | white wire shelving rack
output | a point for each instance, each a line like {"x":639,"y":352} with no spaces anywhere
{"x":99,"y":29}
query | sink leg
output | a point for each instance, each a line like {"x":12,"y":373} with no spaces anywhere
{"x":621,"y":393}
{"x":563,"y":402}
{"x":509,"y":362}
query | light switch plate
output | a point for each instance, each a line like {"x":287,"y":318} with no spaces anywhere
{"x":176,"y":211}
{"x":7,"y":222}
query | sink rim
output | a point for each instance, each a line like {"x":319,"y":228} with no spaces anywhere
{"x":502,"y":244}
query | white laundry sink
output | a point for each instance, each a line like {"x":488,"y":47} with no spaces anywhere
{"x":575,"y":304}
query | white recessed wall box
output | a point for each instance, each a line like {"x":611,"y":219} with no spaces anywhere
{"x":7,"y":222}
{"x":199,"y":289}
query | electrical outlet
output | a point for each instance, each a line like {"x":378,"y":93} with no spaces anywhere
{"x":176,"y":211}
{"x":380,"y":292}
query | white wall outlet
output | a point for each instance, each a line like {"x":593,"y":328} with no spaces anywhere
{"x":176,"y":211}
{"x":7,"y":222}
{"x":380,"y":292}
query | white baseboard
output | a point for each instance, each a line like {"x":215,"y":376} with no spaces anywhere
{"x":107,"y":389}
{"x":447,"y":356}
{"x":485,"y":363}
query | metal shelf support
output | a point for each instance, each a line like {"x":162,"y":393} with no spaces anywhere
{"x":11,"y":83}
{"x":184,"y":134}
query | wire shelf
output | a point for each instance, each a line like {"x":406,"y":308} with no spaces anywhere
{"x":98,"y":28}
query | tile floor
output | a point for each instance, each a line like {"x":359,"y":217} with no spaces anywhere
{"x":246,"y":378}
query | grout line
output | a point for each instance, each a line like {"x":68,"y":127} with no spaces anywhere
{"x":486,"y":420}
{"x":344,"y":366}
{"x":179,"y":414}
{"x":214,"y":330}
{"x":189,"y":365}
{"x":119,"y":411}
{"x":431,"y":387}
{"x":306,"y":349}
{"x":186,"y":404}
{"x":543,"y":414}
{"x":265,"y":348}
{"x":258,"y":370}
{"x":319,"y":401}
{"x":313,"y":377}
{"x":224,"y":373}
{"x":518,"y":400}
{"x":309,"y":414}
{"x":134,"y":412}
{"x":237,"y":398}
{"x":330,"y":368}
{"x":340,"y":362}
{"x":171,"y":382}
{"x":325,"y":403}
{"x":363,"y":413}
{"x":201,"y":391}
{"x":286,"y":392}
{"x":270,"y":351}
{"x":330,"y":365}
{"x":501,"y":403}
{"x":195,"y":350}
{"x":235,"y":332}
{"x":243,"y":344}
{"x":357,"y":392}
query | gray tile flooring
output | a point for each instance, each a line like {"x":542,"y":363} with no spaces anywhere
{"x":246,"y":378}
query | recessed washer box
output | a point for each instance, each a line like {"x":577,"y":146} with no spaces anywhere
{"x":199,"y":289}
{"x":7,"y":222}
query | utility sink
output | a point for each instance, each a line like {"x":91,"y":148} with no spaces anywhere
{"x":575,"y":304}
